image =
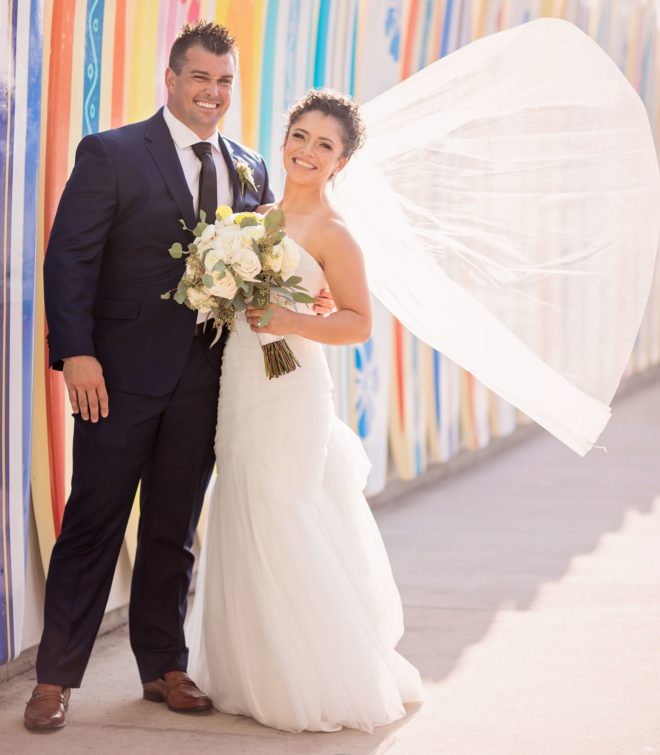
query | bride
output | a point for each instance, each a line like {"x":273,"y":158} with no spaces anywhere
{"x":507,"y":207}
{"x":297,"y":615}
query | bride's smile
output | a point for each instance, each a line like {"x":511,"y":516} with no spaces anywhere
{"x":313,"y":149}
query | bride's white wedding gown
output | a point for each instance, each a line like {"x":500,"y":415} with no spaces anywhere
{"x":296,"y":615}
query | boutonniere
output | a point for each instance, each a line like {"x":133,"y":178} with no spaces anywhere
{"x":245,"y":175}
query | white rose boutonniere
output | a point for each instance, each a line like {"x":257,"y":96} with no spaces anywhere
{"x":245,"y":175}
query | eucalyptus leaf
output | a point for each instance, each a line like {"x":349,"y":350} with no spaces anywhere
{"x":166,"y":296}
{"x":248,"y":222}
{"x":180,"y":297}
{"x":207,"y":280}
{"x":219,"y":267}
{"x":294,"y":280}
{"x":266,"y":318}
{"x":303,"y":298}
{"x":274,"y":218}
{"x":176,"y":250}
{"x":278,"y":237}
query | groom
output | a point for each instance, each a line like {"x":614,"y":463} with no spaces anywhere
{"x":140,"y":372}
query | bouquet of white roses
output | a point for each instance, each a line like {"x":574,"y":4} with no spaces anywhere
{"x":243,"y":258}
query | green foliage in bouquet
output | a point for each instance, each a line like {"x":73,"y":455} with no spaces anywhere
{"x":239,"y":260}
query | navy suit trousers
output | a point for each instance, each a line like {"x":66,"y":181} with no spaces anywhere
{"x":165,"y":444}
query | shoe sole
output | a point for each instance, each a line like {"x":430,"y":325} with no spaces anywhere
{"x":47,"y":727}
{"x":154,"y":697}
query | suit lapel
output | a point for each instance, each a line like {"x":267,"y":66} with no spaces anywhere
{"x":228,"y":154}
{"x":163,"y":151}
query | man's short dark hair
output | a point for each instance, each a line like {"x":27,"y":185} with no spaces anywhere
{"x":212,"y":37}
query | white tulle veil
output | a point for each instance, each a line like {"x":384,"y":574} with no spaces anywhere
{"x":508,"y":205}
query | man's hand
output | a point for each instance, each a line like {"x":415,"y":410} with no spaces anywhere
{"x":325,"y":304}
{"x":83,"y":376}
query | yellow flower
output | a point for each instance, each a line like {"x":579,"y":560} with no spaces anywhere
{"x":223,"y":212}
{"x":240,"y":217}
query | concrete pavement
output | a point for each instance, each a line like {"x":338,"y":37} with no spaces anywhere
{"x":532,"y":594}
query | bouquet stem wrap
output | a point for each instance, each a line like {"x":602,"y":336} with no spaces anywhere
{"x":278,"y":358}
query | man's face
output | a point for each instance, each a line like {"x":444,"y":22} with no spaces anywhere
{"x":201,"y":93}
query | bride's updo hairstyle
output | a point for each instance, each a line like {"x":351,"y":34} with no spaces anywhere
{"x":340,"y":107}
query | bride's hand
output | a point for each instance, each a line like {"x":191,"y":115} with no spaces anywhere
{"x":325,"y":304}
{"x":281,"y":323}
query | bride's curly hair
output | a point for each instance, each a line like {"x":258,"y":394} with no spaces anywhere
{"x":339,"y":106}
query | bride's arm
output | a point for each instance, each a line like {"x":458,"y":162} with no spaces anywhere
{"x":344,"y":270}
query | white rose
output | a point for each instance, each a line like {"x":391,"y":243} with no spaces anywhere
{"x":248,"y":234}
{"x":202,"y":246}
{"x":215,"y":255}
{"x":228,"y":232}
{"x":246,"y":264}
{"x":223,"y":286}
{"x":290,"y":257}
{"x":196,"y":298}
{"x":228,"y":244}
{"x":208,"y":233}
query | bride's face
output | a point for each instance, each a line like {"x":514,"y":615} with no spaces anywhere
{"x":313,"y":150}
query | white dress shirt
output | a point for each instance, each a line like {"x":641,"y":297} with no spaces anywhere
{"x":184,"y":138}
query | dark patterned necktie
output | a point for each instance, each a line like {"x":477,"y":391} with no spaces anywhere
{"x":208,"y":182}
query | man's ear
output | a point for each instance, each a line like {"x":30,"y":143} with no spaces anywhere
{"x":170,"y":75}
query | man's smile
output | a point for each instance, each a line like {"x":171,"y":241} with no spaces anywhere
{"x":207,"y":105}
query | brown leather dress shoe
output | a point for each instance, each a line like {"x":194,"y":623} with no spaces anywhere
{"x":179,"y":691}
{"x":47,"y":707}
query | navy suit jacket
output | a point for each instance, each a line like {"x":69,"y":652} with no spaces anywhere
{"x":107,"y":261}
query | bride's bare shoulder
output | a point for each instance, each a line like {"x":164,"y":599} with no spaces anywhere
{"x":336,"y":235}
